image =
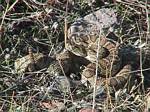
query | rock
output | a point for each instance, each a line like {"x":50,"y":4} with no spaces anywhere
{"x":93,"y":23}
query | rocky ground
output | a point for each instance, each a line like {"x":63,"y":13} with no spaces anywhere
{"x":42,"y":26}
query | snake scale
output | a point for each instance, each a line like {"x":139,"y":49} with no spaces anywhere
{"x":110,"y":65}
{"x":84,"y":40}
{"x":111,"y":69}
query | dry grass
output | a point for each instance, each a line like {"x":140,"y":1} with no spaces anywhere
{"x":43,"y":27}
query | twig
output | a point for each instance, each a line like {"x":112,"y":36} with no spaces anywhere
{"x":141,"y":66}
{"x":97,"y":56}
{"x":66,"y":78}
{"x":147,"y":20}
{"x":7,"y":10}
{"x":65,"y":30}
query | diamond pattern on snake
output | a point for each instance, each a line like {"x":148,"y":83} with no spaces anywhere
{"x":32,"y":62}
{"x":110,"y":66}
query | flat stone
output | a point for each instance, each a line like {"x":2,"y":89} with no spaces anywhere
{"x":94,"y":22}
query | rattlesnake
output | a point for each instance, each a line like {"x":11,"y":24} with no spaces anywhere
{"x":83,"y":38}
{"x":110,"y":65}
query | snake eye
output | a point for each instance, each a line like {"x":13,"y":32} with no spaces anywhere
{"x":77,"y":40}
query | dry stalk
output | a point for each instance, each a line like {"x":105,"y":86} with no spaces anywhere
{"x":147,"y":20}
{"x":141,"y":73}
{"x":65,"y":20}
{"x":30,"y":98}
{"x":65,"y":32}
{"x":66,"y":78}
{"x":108,"y":75}
{"x":133,"y":3}
{"x":7,"y":10}
{"x":97,"y":55}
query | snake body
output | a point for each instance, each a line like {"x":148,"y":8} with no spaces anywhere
{"x":110,"y":66}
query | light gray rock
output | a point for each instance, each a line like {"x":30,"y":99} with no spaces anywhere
{"x":93,"y":23}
